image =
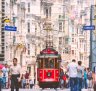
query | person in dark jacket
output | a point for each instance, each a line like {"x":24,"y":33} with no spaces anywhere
{"x":61,"y":79}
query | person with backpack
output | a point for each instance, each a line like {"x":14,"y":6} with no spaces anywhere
{"x":89,"y":77}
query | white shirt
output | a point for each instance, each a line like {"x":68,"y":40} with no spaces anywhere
{"x":31,"y":82}
{"x":80,"y":71}
{"x":72,"y":67}
{"x":15,"y":69}
{"x":5,"y":71}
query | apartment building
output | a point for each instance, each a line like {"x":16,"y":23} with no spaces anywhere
{"x":2,"y":34}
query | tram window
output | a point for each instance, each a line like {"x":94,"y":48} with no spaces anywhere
{"x":40,"y":63}
{"x":48,"y":63}
{"x":56,"y":63}
{"x":51,"y":63}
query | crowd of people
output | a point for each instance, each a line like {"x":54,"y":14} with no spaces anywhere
{"x":77,"y":77}
{"x":11,"y":77}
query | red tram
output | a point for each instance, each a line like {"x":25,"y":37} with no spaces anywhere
{"x":48,"y":70}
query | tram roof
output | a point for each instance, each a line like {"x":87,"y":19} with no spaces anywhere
{"x":48,"y":51}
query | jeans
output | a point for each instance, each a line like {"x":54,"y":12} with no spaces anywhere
{"x":31,"y":86}
{"x":4,"y":82}
{"x":73,"y":84}
{"x":23,"y":85}
{"x":79,"y":84}
{"x":85,"y":83}
{"x":0,"y":84}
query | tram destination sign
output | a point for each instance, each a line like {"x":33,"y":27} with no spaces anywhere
{"x":89,"y":27}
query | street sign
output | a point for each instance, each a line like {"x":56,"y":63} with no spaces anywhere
{"x":10,"y":28}
{"x":89,"y":27}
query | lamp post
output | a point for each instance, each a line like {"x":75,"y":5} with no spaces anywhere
{"x":91,"y":59}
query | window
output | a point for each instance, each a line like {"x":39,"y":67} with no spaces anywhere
{"x":46,"y":12}
{"x":28,"y":49}
{"x":50,"y":11}
{"x":60,"y":26}
{"x":40,"y":63}
{"x":60,"y":40}
{"x":14,"y":39}
{"x":66,"y":50}
{"x":28,"y":25}
{"x":72,"y":51}
{"x":28,"y":7}
{"x":81,"y":56}
{"x":49,"y":63}
{"x":66,"y":40}
{"x":57,"y":63}
{"x":72,"y":39}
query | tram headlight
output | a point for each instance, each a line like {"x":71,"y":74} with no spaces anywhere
{"x":49,"y":74}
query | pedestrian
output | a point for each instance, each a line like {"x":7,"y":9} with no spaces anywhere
{"x":65,"y":78}
{"x":89,"y":77}
{"x":0,"y":79}
{"x":15,"y":75}
{"x":72,"y":69}
{"x":23,"y":82}
{"x":27,"y":77}
{"x":61,"y":79}
{"x":5,"y":71}
{"x":31,"y":82}
{"x":94,"y":79}
{"x":80,"y":72}
{"x":85,"y":78}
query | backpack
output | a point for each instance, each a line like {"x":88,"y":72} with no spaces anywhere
{"x":89,"y":75}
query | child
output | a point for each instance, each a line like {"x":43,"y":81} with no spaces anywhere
{"x":31,"y":83}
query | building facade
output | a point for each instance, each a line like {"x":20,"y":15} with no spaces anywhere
{"x":67,"y":18}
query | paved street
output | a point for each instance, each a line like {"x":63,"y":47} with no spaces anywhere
{"x":45,"y":90}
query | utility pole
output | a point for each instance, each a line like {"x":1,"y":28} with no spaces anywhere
{"x":91,"y":39}
{"x":92,"y":56}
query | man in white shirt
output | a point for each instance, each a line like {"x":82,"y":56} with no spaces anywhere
{"x":15,"y":75}
{"x":72,"y":69}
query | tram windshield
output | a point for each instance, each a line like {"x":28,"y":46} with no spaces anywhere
{"x":48,"y":63}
